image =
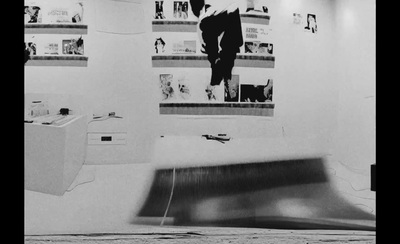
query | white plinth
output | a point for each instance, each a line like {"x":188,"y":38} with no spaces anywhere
{"x":54,"y":155}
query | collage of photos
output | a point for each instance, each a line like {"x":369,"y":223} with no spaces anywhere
{"x":174,"y":88}
{"x":257,"y":47}
{"x":54,"y":12}
{"x":181,"y":10}
{"x":171,"y":10}
{"x":257,"y":40}
{"x":54,"y":45}
{"x":168,"y":45}
{"x":73,"y":46}
{"x":180,"y":88}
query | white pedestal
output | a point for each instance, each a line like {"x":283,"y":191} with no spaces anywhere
{"x":54,"y":155}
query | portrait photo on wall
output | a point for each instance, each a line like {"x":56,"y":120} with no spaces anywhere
{"x":159,"y":45}
{"x":181,"y":10}
{"x":30,"y":47}
{"x":159,"y":11}
{"x":256,"y":93}
{"x":311,"y":24}
{"x":73,"y":46}
{"x":32,"y":14}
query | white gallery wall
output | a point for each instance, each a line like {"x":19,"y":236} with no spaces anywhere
{"x":324,"y":96}
{"x":119,"y":78}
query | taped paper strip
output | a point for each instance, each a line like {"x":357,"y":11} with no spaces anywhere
{"x":217,"y":109}
{"x":200,"y":61}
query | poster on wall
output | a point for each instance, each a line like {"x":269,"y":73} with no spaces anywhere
{"x":166,"y":87}
{"x":257,"y":39}
{"x":33,"y":14}
{"x":30,"y":45}
{"x":181,"y":9}
{"x":308,"y":22}
{"x":184,"y":89}
{"x":159,"y":10}
{"x":73,"y":46}
{"x":231,"y":91}
{"x":256,"y":93}
{"x":257,"y":47}
{"x":64,"y":13}
{"x":311,"y":23}
{"x":159,"y":45}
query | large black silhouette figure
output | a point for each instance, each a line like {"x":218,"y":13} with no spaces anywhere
{"x":215,"y":18}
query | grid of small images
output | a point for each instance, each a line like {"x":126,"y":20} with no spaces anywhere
{"x":185,"y":88}
{"x":47,"y":12}
{"x":66,"y":45}
{"x":172,"y":10}
{"x":39,"y":14}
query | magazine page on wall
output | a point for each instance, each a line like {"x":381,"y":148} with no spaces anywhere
{"x":33,"y":12}
{"x":173,"y":10}
{"x":65,"y":12}
{"x":54,"y":12}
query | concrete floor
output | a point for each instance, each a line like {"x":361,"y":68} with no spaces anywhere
{"x":156,"y":234}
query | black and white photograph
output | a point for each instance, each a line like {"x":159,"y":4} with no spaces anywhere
{"x":266,"y":48}
{"x":159,"y":10}
{"x":311,"y":21}
{"x":256,"y":93}
{"x":159,"y":45}
{"x":257,"y":47}
{"x":180,"y":10}
{"x":33,"y":14}
{"x":184,"y":88}
{"x":73,"y":46}
{"x":77,"y":12}
{"x":232,"y":89}
{"x":199,"y":121}
{"x":166,"y":87}
{"x":30,"y":47}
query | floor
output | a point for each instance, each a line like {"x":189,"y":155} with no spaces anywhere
{"x":155,"y":234}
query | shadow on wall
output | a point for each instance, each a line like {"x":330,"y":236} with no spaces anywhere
{"x":286,"y":194}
